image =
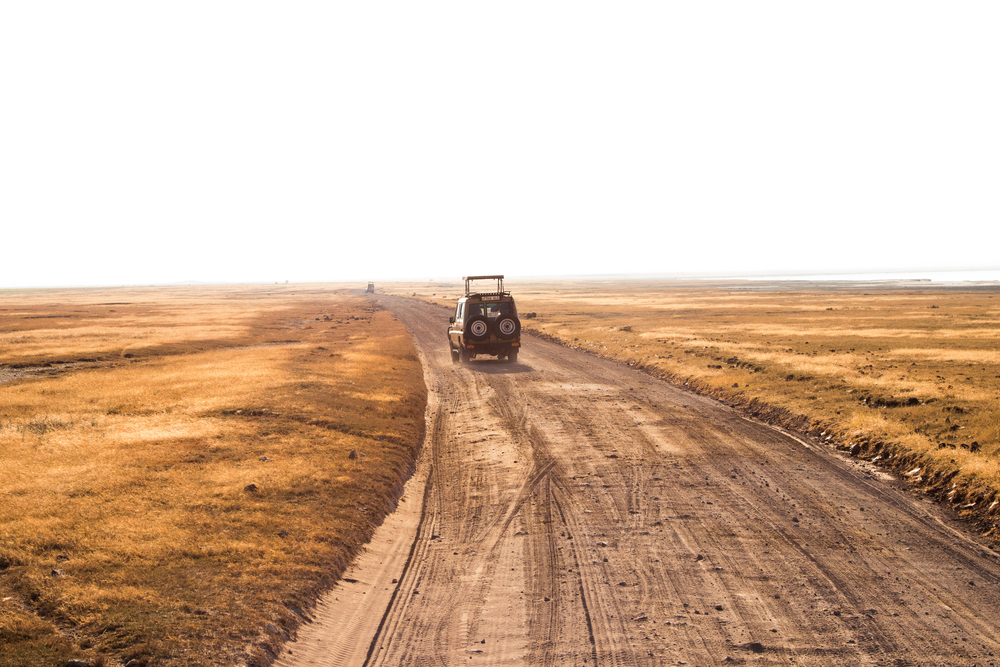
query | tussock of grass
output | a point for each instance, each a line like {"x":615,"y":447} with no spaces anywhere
{"x":168,"y":507}
{"x":911,"y":377}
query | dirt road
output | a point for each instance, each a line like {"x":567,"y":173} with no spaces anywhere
{"x":576,"y":512}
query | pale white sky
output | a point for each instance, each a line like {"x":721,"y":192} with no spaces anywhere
{"x":147,"y":142}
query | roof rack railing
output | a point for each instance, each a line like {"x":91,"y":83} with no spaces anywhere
{"x":469,"y":279}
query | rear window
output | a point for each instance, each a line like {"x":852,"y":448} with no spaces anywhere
{"x":495,"y":310}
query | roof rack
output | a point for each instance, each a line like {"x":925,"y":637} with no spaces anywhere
{"x":468,"y":279}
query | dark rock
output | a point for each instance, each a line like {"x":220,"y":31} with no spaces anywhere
{"x":77,"y":663}
{"x":855,"y":449}
{"x":756,"y":647}
{"x":353,"y":455}
{"x":265,"y":459}
{"x":250,"y":488}
{"x":58,"y":573}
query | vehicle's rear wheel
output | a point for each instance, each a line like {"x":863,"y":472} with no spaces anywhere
{"x":455,"y":355}
{"x":466,"y":355}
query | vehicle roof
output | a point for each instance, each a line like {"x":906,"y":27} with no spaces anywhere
{"x":469,"y":291}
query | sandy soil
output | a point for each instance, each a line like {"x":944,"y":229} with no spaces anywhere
{"x":576,"y":512}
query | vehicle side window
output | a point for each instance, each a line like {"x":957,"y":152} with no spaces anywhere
{"x":458,"y":312}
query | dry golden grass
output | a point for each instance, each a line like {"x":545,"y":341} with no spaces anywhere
{"x":911,"y":376}
{"x":176,"y":480}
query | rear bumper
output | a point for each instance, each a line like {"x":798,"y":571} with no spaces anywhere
{"x":492,"y":348}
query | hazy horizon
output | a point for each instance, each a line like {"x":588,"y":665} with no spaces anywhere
{"x":975,"y":276}
{"x":243,"y":143}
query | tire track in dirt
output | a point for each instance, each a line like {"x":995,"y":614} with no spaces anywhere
{"x":578,"y":512}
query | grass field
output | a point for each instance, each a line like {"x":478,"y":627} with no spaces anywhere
{"x":908,"y":376}
{"x":176,"y":463}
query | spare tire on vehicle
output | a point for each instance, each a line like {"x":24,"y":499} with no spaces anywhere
{"x":477,"y":329}
{"x":507,"y":327}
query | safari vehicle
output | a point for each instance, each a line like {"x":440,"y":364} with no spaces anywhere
{"x":484,"y":323}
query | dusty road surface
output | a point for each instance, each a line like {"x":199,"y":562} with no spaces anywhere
{"x":575,"y":512}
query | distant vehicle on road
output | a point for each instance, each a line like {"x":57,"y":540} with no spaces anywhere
{"x":370,"y":289}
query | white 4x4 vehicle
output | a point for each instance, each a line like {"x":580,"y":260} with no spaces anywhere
{"x":484,"y":323}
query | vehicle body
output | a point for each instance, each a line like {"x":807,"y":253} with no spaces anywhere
{"x":484,"y":323}
{"x":370,"y":289}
